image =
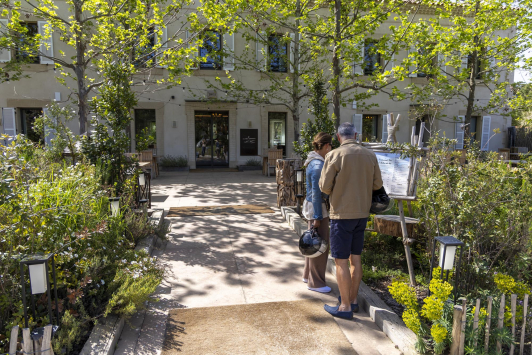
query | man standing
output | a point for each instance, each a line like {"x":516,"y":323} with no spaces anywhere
{"x":349,"y":176}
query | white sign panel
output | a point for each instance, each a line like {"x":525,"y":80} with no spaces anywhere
{"x":394,"y":171}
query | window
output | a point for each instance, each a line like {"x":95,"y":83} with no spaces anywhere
{"x":470,"y":130}
{"x":370,"y":128}
{"x":143,"y":54}
{"x":277,"y":52}
{"x":372,"y":58}
{"x":25,"y":40}
{"x":212,"y":45}
{"x":277,"y":130}
{"x":28,"y":116}
{"x":428,"y":128}
{"x":145,"y":127}
{"x":426,"y":68}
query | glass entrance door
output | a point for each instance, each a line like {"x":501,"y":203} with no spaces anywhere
{"x":212,"y":139}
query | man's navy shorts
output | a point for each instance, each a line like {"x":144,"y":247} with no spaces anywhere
{"x":347,"y":237}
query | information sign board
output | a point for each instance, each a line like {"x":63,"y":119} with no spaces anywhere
{"x":394,"y":171}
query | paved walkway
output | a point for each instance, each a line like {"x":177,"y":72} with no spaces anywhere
{"x":226,"y":260}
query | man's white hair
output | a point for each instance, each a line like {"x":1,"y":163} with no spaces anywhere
{"x":347,"y":130}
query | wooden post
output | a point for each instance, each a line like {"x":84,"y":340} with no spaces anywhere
{"x":513,"y":305}
{"x":457,"y":331}
{"x":47,"y":341}
{"x":405,"y":243}
{"x":523,"y":328}
{"x":27,"y":342}
{"x":475,"y":323}
{"x":488,"y":323}
{"x":13,"y":341}
{"x":462,"y":327}
{"x":500,"y":323}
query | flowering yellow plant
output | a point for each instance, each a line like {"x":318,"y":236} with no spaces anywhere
{"x":439,"y":333}
{"x":404,"y":294}
{"x":411,"y":319}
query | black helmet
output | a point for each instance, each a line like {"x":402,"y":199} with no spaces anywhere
{"x":380,"y":201}
{"x":311,"y":244}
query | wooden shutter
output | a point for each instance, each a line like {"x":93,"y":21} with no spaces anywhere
{"x":5,"y":54}
{"x":357,"y":122}
{"x":9,"y":123}
{"x":262,"y":51}
{"x":459,"y":133}
{"x":194,"y":54}
{"x":49,"y":133}
{"x":412,"y":69}
{"x":441,"y":63}
{"x":229,"y":44}
{"x":486,"y":133}
{"x":358,"y":66}
{"x":384,"y":128}
{"x":47,"y":43}
{"x":164,"y":44}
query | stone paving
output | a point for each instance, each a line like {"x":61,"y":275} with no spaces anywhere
{"x":227,"y":260}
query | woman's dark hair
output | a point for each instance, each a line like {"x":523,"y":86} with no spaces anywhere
{"x":320,"y":140}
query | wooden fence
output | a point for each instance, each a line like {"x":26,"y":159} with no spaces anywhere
{"x":43,"y":346}
{"x":460,"y":322}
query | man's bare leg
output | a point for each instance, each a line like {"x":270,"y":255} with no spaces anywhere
{"x":344,"y":283}
{"x":356,"y":277}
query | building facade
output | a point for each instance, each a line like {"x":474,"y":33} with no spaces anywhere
{"x":196,"y":121}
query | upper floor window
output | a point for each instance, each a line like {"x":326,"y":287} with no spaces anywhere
{"x":372,"y":58}
{"x":426,"y":63}
{"x":277,"y":51}
{"x":144,"y":52}
{"x":23,"y":52}
{"x":210,"y":50}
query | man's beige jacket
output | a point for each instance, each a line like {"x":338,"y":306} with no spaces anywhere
{"x":349,"y":176}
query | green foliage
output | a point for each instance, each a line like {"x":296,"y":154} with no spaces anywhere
{"x":253,"y":162}
{"x":144,"y":139}
{"x":485,"y":204}
{"x":173,"y":161}
{"x":53,"y":206}
{"x":321,"y":122}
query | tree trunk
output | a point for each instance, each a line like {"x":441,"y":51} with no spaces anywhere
{"x":83,"y":92}
{"x":295,"y":77}
{"x":285,"y":177}
{"x":336,"y":64}
{"x":472,"y":75}
{"x":391,"y":225}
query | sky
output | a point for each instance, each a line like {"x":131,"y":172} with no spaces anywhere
{"x":521,"y":75}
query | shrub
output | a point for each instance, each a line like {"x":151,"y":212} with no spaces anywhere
{"x":174,"y":161}
{"x":253,"y":162}
{"x":52,"y":206}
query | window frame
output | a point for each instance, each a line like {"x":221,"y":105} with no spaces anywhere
{"x":371,"y":71}
{"x":19,"y":55}
{"x":217,"y":62}
{"x":284,"y":62}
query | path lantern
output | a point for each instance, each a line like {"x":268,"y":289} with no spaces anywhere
{"x":39,"y":284}
{"x":299,"y":186}
{"x":115,"y":206}
{"x":447,"y":255}
{"x":142,"y":180}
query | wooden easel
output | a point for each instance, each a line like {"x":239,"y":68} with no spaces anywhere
{"x":385,"y":224}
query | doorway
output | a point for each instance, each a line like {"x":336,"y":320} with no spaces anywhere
{"x":212,"y":138}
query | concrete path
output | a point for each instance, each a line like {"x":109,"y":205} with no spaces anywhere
{"x":226,"y":260}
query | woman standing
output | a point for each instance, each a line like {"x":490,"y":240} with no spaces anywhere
{"x":315,"y":212}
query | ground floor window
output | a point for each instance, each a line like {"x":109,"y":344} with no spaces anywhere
{"x":428,"y":128}
{"x":145,"y":128}
{"x":28,"y":116}
{"x":277,"y":130}
{"x":471,"y":134}
{"x":371,"y":130}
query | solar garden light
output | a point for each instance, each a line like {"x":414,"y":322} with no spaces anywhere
{"x":448,"y":246}
{"x":299,"y":186}
{"x":39,"y":283}
{"x":115,"y":206}
{"x":144,"y":206}
{"x":142,"y":179}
